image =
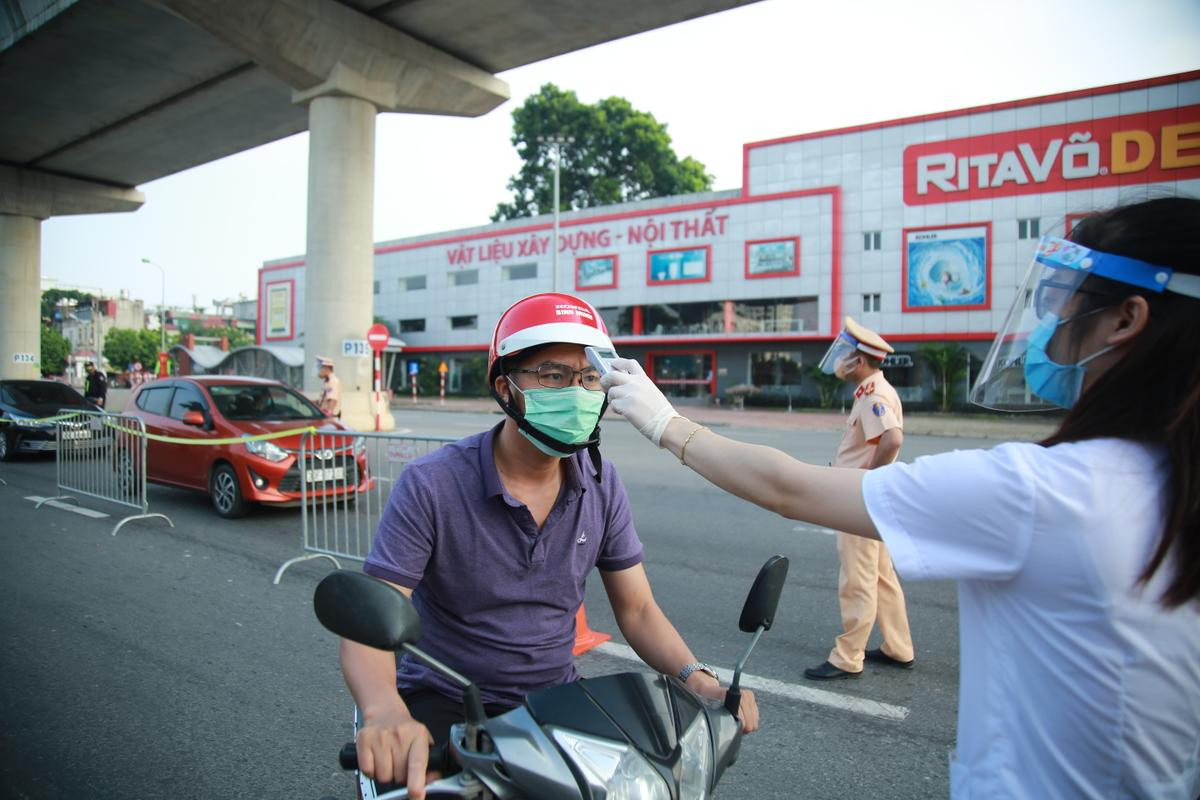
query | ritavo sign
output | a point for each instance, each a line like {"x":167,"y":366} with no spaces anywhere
{"x":1134,"y":149}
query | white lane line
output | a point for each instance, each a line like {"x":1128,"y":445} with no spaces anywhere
{"x":856,"y":705}
{"x":80,"y":510}
{"x":815,"y":529}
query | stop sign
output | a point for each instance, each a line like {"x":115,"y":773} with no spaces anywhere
{"x":377,"y":337}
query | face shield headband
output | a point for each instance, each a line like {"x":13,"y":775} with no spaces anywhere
{"x":1044,"y":303}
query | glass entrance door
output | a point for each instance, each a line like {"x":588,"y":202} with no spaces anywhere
{"x":680,"y":375}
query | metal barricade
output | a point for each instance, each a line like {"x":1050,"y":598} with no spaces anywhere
{"x":102,"y":455}
{"x":345,"y":480}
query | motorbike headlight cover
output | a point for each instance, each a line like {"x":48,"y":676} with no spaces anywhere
{"x":615,"y":768}
{"x":360,"y":446}
{"x":266,"y":449}
{"x":696,"y":761}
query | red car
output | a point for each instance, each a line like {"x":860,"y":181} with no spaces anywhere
{"x":234,"y":475}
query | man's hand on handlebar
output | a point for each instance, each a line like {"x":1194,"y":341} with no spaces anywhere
{"x":394,"y":748}
{"x":705,"y":686}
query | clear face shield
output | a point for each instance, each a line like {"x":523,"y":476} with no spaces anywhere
{"x":1019,"y":372}
{"x":844,"y":347}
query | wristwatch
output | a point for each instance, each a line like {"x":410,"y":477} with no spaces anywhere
{"x":697,"y":665}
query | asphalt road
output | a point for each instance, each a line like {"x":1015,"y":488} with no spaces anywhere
{"x":162,"y":662}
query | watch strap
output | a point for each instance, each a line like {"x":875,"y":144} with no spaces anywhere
{"x":697,"y":665}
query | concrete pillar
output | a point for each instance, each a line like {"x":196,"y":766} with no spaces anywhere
{"x":338,"y":296}
{"x":20,"y":302}
{"x":26,"y":198}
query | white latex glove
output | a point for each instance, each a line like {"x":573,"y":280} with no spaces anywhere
{"x":634,"y":396}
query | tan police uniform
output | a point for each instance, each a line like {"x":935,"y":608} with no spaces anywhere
{"x":331,"y":396}
{"x":331,"y":393}
{"x":868,"y":589}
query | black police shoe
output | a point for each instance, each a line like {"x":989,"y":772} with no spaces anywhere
{"x":879,"y":657}
{"x":826,"y":672}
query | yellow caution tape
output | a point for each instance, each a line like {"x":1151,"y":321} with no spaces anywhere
{"x":261,"y":437}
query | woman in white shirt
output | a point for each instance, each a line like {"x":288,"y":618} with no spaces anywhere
{"x":1077,"y":558}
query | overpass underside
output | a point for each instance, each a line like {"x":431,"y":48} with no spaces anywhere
{"x":101,"y":96}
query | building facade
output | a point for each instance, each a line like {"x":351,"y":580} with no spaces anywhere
{"x":921,"y":228}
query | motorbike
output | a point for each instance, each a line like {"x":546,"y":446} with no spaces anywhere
{"x":627,"y":736}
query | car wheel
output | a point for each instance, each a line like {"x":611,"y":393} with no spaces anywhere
{"x":128,"y":481}
{"x":226,"y":492}
{"x":8,"y":445}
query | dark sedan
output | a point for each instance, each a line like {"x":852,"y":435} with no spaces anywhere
{"x":23,"y":404}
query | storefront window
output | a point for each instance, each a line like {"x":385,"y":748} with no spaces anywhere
{"x":618,"y":320}
{"x":775,"y":369}
{"x":684,"y":318}
{"x":682,"y":374}
{"x":777,"y":315}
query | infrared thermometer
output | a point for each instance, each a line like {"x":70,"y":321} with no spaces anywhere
{"x":599,"y":357}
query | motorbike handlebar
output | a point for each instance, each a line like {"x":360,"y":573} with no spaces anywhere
{"x":439,"y":758}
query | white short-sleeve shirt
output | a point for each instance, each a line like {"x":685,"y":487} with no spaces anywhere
{"x":1075,"y":681}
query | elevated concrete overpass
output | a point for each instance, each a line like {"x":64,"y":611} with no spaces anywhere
{"x":100,"y":96}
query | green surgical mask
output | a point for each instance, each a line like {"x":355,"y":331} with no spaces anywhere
{"x":568,"y":415}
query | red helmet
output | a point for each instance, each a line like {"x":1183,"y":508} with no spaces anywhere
{"x":547,"y":318}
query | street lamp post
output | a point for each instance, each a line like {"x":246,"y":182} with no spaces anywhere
{"x":162,"y":306}
{"x":556,"y":142}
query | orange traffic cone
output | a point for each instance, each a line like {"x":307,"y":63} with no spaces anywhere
{"x":585,"y":637}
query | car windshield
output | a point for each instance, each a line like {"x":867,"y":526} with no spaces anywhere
{"x":44,"y":393}
{"x":257,"y":402}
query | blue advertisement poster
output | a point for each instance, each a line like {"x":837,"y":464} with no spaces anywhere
{"x":667,"y":266}
{"x":596,"y":273}
{"x":774,"y":257}
{"x":946,"y":268}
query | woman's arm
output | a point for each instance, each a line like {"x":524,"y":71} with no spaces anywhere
{"x":829,"y":496}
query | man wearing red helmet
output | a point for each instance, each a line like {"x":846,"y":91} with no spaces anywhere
{"x":493,"y":537}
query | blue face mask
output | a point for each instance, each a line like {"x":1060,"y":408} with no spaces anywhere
{"x":1055,"y":383}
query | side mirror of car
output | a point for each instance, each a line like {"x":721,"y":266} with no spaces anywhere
{"x":195,"y":418}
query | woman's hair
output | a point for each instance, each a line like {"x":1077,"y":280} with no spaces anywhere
{"x":1152,"y":394}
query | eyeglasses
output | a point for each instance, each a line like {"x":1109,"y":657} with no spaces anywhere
{"x":1051,"y":296}
{"x":560,"y":376}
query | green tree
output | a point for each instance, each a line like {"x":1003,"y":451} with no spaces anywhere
{"x":50,"y":299}
{"x":123,"y":347}
{"x":948,"y":363}
{"x":55,"y":349}
{"x":617,"y":154}
{"x":827,"y":385}
{"x":237,"y":338}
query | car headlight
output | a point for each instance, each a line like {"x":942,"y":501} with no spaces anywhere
{"x":616,"y":769}
{"x":266,"y":449}
{"x":696,"y":762}
{"x":32,"y":423}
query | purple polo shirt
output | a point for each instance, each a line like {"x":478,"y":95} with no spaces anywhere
{"x":497,"y":597}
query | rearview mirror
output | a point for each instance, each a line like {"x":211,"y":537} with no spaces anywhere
{"x":195,"y":418}
{"x":763,"y":599}
{"x":365,"y":610}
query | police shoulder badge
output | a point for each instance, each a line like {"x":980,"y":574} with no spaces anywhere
{"x":878,"y":409}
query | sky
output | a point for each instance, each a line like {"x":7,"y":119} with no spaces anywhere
{"x":771,"y":69}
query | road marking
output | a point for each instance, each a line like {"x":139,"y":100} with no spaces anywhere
{"x":815,"y":529}
{"x":80,"y":510}
{"x":856,"y":705}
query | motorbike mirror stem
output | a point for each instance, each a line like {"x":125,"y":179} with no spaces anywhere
{"x":472,"y":702}
{"x":733,"y":695}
